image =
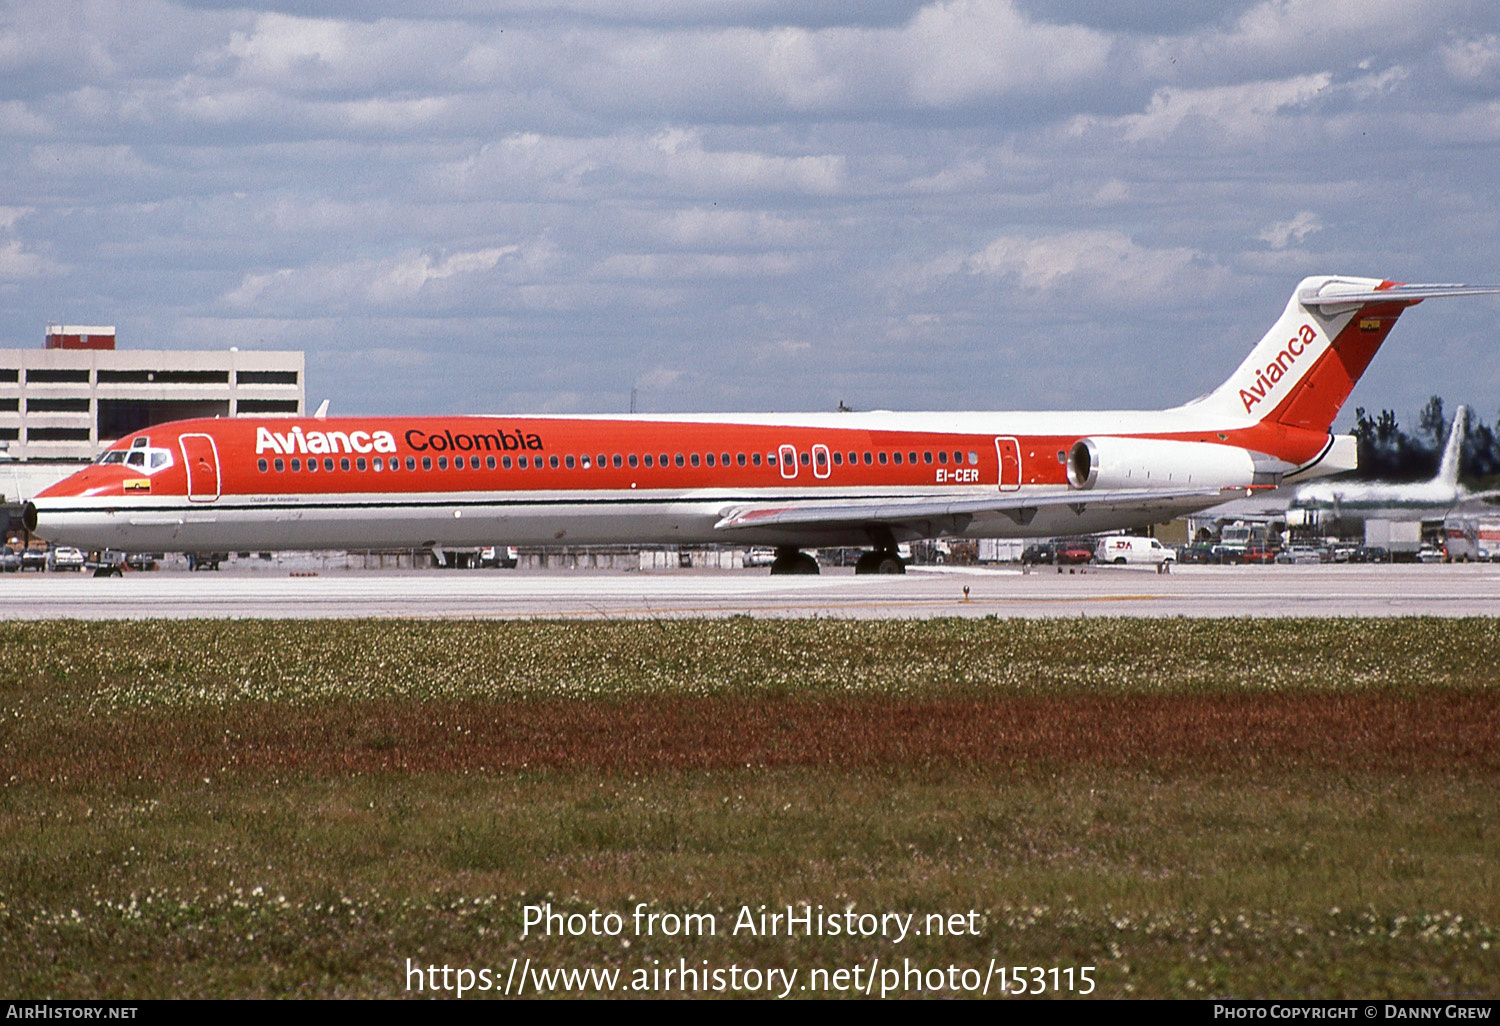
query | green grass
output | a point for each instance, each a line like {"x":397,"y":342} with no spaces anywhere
{"x":1192,"y":807}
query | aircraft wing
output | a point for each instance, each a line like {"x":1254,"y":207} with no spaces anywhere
{"x":920,"y":512}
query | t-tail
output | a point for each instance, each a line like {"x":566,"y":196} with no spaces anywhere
{"x":1453,"y":453}
{"x":1303,"y":370}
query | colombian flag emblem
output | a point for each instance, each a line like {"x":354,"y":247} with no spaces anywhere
{"x":137,"y":484}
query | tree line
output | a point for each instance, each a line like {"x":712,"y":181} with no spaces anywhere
{"x":1387,"y":452}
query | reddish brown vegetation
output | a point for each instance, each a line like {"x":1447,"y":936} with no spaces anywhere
{"x":1447,"y":732}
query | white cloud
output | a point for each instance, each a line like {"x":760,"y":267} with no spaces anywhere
{"x":1283,"y":233}
{"x":1229,"y":113}
{"x":1092,"y":265}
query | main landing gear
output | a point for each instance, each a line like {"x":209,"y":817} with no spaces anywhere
{"x":880,"y":561}
{"x":790,"y":561}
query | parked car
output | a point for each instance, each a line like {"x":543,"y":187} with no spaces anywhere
{"x":1042,"y":552}
{"x":1199,"y":552}
{"x":33,"y":559}
{"x":64,"y":557}
{"x":1258,"y":552}
{"x":1430,"y":554}
{"x":1075,"y":550}
{"x":10,"y":561}
{"x":1369,"y":554}
{"x":1303,"y":554}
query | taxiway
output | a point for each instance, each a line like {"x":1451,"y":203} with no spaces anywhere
{"x":1292,"y":591}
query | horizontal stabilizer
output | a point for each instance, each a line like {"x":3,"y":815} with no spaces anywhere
{"x":1337,"y":293}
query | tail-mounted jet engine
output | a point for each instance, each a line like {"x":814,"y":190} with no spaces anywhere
{"x":1113,"y":463}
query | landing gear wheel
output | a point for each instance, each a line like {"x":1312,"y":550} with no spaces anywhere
{"x":879,"y":562}
{"x":790,"y":561}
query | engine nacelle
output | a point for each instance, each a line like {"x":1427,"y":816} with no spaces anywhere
{"x":1111,"y":463}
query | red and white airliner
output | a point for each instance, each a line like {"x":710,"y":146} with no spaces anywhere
{"x":792,"y":481}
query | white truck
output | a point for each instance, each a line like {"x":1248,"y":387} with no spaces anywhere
{"x":1472,"y":539}
{"x":1400,"y":538}
{"x":1123,"y":549}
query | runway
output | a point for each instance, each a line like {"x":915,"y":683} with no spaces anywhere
{"x":1274,"y":591}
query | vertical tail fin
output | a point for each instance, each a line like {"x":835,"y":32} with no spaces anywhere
{"x":1304,"y":368}
{"x":1448,"y":470}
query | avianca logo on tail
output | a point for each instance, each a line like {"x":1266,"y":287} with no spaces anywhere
{"x":296,"y":441}
{"x":1265,"y":381}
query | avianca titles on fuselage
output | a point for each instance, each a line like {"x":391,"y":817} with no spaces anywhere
{"x":861,"y":479}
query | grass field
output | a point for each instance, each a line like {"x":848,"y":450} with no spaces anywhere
{"x":1247,"y":808}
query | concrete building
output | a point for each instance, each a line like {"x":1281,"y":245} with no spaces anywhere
{"x":60,"y":405}
{"x":69,"y":400}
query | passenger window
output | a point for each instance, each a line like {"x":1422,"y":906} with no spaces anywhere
{"x":869,"y":458}
{"x":942,"y":457}
{"x":280,"y":465}
{"x":569,"y":461}
{"x":695,"y":459}
{"x":552,"y":462}
{"x":634,"y":460}
{"x":521,"y":462}
{"x":755,"y":459}
{"x":296,"y":465}
{"x":263,"y":465}
{"x":505,"y":462}
{"x":803,"y":459}
{"x":360,"y":463}
{"x":312,"y":466}
{"x":442,"y":463}
{"x":344,"y":463}
{"x":426,"y":462}
{"x":377,"y":464}
{"x":838,"y":459}
{"x":822,"y":458}
{"x":710,"y":459}
{"x":973,"y":458}
{"x":770,"y":459}
{"x":489,"y":463}
{"x":911,"y":458}
{"x":619,"y":461}
{"x":740,"y":458}
{"x":927,"y":457}
{"x":897,"y":458}
{"x":661,"y":461}
{"x":411,"y":463}
{"x":882,"y":457}
{"x":679,"y":460}
{"x":723,"y":459}
{"x":648,"y":459}
{"x":958,"y":457}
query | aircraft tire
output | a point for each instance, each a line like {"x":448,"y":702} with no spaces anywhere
{"x":793,"y":563}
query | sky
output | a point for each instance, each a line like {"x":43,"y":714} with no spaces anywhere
{"x":551,"y":207}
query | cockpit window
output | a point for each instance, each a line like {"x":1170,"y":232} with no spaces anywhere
{"x":147,"y":461}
